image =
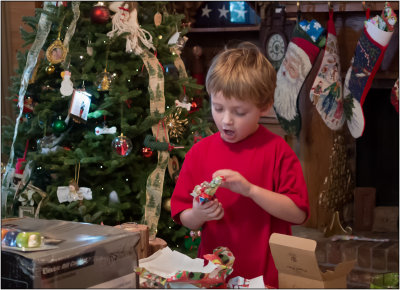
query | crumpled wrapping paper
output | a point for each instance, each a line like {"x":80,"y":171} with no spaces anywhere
{"x":172,"y":269}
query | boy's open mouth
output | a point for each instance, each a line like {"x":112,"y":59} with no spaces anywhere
{"x":229,"y":132}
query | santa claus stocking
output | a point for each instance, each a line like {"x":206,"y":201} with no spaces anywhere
{"x":365,"y":63}
{"x":299,"y":58}
{"x":326,"y":92}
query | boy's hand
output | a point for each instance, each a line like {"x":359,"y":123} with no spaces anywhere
{"x":234,"y":181}
{"x":211,"y":210}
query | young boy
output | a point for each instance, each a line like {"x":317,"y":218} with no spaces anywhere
{"x":263,"y":190}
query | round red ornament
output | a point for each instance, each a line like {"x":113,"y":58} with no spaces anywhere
{"x":122,"y":145}
{"x":99,"y":14}
{"x":147,"y":152}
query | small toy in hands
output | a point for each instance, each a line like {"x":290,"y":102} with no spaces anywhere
{"x":205,"y":191}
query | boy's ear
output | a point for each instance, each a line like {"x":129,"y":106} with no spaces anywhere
{"x":266,"y":109}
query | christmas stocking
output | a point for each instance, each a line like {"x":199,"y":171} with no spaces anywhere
{"x":299,"y":58}
{"x":394,"y":96}
{"x":365,"y":63}
{"x":326,"y":92}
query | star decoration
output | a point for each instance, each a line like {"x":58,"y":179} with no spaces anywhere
{"x":176,"y":126}
{"x":241,"y":13}
{"x":206,"y":11}
{"x":223,"y":12}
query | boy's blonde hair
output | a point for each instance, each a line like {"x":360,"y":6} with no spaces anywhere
{"x":243,"y":73}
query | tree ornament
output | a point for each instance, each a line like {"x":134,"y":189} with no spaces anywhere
{"x":59,"y":126}
{"x":151,"y":142}
{"x":173,"y":168}
{"x":194,"y":107}
{"x":197,"y":137}
{"x":176,"y":126}
{"x":113,"y":198}
{"x":104,"y":81}
{"x":185,"y":105}
{"x":157,"y":19}
{"x":67,"y":87}
{"x":73,"y":192}
{"x":80,"y":105}
{"x":122,"y":145}
{"x":50,"y":69}
{"x":147,"y":152}
{"x":89,"y":48}
{"x":18,"y":165}
{"x":125,"y":20}
{"x":28,"y":105}
{"x":177,"y":42}
{"x":99,"y":13}
{"x":167,"y":204}
{"x":105,"y":130}
{"x":192,"y":241}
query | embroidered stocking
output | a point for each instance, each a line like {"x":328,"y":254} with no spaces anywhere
{"x":365,"y":63}
{"x":326,"y":92}
{"x":299,"y":58}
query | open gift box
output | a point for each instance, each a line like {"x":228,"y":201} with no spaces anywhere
{"x":297,"y":264}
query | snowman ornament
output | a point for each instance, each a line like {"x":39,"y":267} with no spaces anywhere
{"x":67,"y":85}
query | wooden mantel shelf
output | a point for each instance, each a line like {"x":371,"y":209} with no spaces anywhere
{"x":225,"y":29}
{"x":338,"y":6}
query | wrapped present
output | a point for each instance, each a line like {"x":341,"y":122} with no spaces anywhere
{"x":170,"y":269}
{"x":205,"y":191}
{"x":389,"y":16}
{"x":313,"y":28}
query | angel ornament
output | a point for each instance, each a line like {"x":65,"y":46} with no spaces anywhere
{"x":125,"y":20}
{"x":73,"y":192}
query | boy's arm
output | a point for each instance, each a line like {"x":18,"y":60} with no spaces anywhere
{"x":276,"y":204}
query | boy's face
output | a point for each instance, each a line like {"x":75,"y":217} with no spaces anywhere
{"x":235,"y":119}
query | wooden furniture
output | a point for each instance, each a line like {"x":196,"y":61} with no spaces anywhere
{"x":145,"y":247}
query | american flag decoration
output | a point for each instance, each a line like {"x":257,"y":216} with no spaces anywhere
{"x":226,"y":14}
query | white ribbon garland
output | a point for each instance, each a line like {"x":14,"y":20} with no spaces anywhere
{"x":71,"y":27}
{"x":44,"y":26}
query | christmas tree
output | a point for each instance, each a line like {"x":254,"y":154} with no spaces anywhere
{"x":105,"y":115}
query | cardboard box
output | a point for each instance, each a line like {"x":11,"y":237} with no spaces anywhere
{"x":297,"y":264}
{"x":88,"y":255}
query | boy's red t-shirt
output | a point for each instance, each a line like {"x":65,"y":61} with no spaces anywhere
{"x":264,"y":159}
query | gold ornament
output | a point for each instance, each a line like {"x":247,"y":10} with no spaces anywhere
{"x":175,"y":125}
{"x":56,"y":52}
{"x":50,"y":69}
{"x":104,"y":81}
{"x":167,"y":204}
